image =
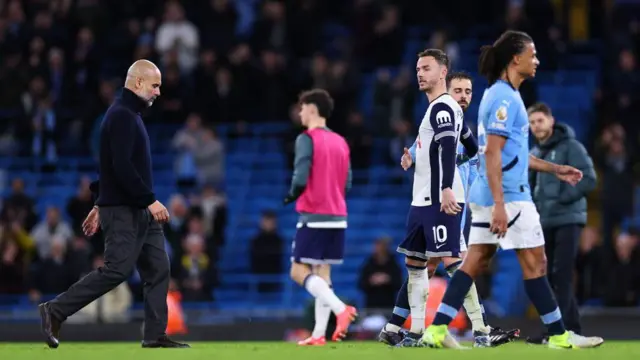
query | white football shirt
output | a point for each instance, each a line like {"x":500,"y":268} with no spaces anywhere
{"x":443,"y":118}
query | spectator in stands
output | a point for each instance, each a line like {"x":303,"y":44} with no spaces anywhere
{"x":178,"y":34}
{"x":205,"y":75}
{"x":176,"y":98}
{"x":213,"y":206}
{"x":387,"y":42}
{"x":56,"y":73}
{"x":626,"y":84}
{"x":623,"y":280}
{"x":318,"y":76}
{"x":15,"y":254}
{"x":380,"y":277}
{"x":218,"y":21}
{"x":209,"y":159}
{"x":83,"y":66}
{"x":19,"y":207}
{"x":13,"y":76}
{"x":394,"y":99}
{"x":176,"y":228}
{"x":185,"y":142}
{"x":80,"y":205}
{"x":382,"y":95}
{"x":266,"y":251}
{"x":245,"y":76}
{"x":80,"y":255}
{"x":270,"y":29}
{"x":52,"y":226}
{"x":440,"y":40}
{"x":403,"y":138}
{"x":224,"y":102}
{"x":616,"y":161}
{"x":112,"y":307}
{"x":195,"y":271}
{"x":30,"y":99}
{"x":94,"y":114}
{"x":360,"y":141}
{"x":274,"y":94}
{"x":43,"y":132}
{"x":54,"y":273}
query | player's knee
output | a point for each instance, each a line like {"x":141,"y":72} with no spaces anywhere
{"x":299,"y":272}
{"x":431,"y":269}
{"x":162,"y":270}
{"x":476,"y":260}
{"x":541,"y":265}
{"x":117,"y":274}
{"x":533,"y":263}
{"x":414,"y":261}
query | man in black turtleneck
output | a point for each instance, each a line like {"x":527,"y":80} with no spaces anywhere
{"x":127,"y":212}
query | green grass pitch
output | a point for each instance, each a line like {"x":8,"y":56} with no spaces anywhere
{"x":281,"y":350}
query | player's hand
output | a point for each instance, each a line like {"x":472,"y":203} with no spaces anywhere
{"x":569,"y":174}
{"x":406,"y":160}
{"x":499,"y":220}
{"x":288,"y":200}
{"x":159,"y":212}
{"x":449,"y":204}
{"x":91,"y":223}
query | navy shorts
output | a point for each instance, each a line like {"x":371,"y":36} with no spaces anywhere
{"x":318,"y":246}
{"x":431,"y":233}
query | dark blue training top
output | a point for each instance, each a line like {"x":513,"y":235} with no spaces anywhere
{"x":125,"y":156}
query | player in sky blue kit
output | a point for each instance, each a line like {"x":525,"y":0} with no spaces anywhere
{"x":502,"y":210}
{"x":459,"y":86}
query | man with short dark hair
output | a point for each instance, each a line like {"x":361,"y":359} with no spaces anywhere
{"x":321,"y":179}
{"x":562,"y":207}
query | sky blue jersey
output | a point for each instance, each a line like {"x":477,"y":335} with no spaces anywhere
{"x":502,"y":113}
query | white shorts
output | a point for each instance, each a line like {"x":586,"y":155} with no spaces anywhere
{"x":463,"y":242}
{"x":524,"y":229}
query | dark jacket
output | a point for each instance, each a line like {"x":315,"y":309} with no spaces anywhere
{"x":125,"y":155}
{"x":560,"y":203}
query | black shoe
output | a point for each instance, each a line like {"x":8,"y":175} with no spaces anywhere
{"x":390,"y":338}
{"x":49,"y":325}
{"x":163,"y":342}
{"x":500,"y":337}
{"x":538,"y":340}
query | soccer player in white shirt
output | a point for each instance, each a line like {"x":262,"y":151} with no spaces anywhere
{"x":503,"y":213}
{"x":433,"y":222}
{"x":459,"y":86}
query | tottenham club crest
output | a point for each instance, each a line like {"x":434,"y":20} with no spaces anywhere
{"x":501,"y":114}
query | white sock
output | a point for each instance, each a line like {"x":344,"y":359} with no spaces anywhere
{"x":417,"y":288}
{"x":392,"y":328}
{"x":472,"y":307}
{"x":322,"y":313}
{"x":319,"y":288}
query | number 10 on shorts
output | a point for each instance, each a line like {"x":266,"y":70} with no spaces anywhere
{"x":439,"y":233}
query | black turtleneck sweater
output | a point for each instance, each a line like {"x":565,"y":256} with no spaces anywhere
{"x":125,"y":155}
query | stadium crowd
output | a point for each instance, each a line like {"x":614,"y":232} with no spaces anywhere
{"x":244,"y":62}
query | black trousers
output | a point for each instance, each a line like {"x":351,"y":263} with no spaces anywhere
{"x":561,"y":248}
{"x":132,"y":238}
